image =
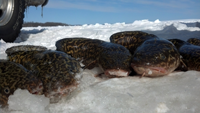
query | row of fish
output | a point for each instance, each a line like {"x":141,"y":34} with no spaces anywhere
{"x":52,"y":73}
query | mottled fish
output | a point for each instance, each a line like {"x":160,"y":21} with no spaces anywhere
{"x":194,"y":41}
{"x":114,"y":59}
{"x":14,"y":76}
{"x":55,"y":69}
{"x":190,"y":54}
{"x":152,"y":56}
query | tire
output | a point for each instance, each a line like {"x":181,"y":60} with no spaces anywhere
{"x":11,"y":19}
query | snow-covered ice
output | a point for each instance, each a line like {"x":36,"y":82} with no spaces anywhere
{"x":176,"y":93}
{"x":23,"y":100}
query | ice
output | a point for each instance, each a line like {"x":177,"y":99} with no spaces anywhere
{"x":120,"y":73}
{"x":25,"y":102}
{"x":162,"y":108}
{"x":176,"y":93}
{"x":150,"y":72}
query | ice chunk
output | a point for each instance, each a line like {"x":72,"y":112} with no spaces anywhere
{"x":157,"y":21}
{"x":162,"y":108}
{"x":150,"y":72}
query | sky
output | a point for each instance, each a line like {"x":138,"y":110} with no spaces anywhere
{"x":113,"y":11}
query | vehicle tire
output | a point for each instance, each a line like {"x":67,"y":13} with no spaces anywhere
{"x":11,"y":19}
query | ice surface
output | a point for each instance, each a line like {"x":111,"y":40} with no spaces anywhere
{"x":175,"y":93}
{"x":25,"y":102}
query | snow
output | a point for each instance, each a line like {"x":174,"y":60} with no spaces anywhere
{"x":28,"y":103}
{"x":176,"y":93}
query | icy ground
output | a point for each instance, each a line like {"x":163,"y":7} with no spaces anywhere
{"x":176,"y":93}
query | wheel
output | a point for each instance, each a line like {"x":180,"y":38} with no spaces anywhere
{"x":11,"y":19}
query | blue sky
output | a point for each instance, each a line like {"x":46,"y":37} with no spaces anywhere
{"x":113,"y":11}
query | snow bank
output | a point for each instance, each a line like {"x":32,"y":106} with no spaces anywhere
{"x":175,"y":93}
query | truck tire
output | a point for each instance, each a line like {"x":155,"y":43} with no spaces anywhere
{"x":11,"y":19}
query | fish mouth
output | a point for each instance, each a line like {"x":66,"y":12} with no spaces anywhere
{"x":116,"y":73}
{"x":56,"y":94}
{"x":151,"y":71}
{"x":38,"y":90}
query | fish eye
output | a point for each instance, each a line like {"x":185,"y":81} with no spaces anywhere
{"x":7,"y":90}
{"x":163,"y":57}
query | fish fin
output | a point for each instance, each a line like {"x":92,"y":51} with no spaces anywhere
{"x":142,"y":75}
{"x":89,"y":64}
{"x":182,"y":66}
{"x":183,"y":62}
